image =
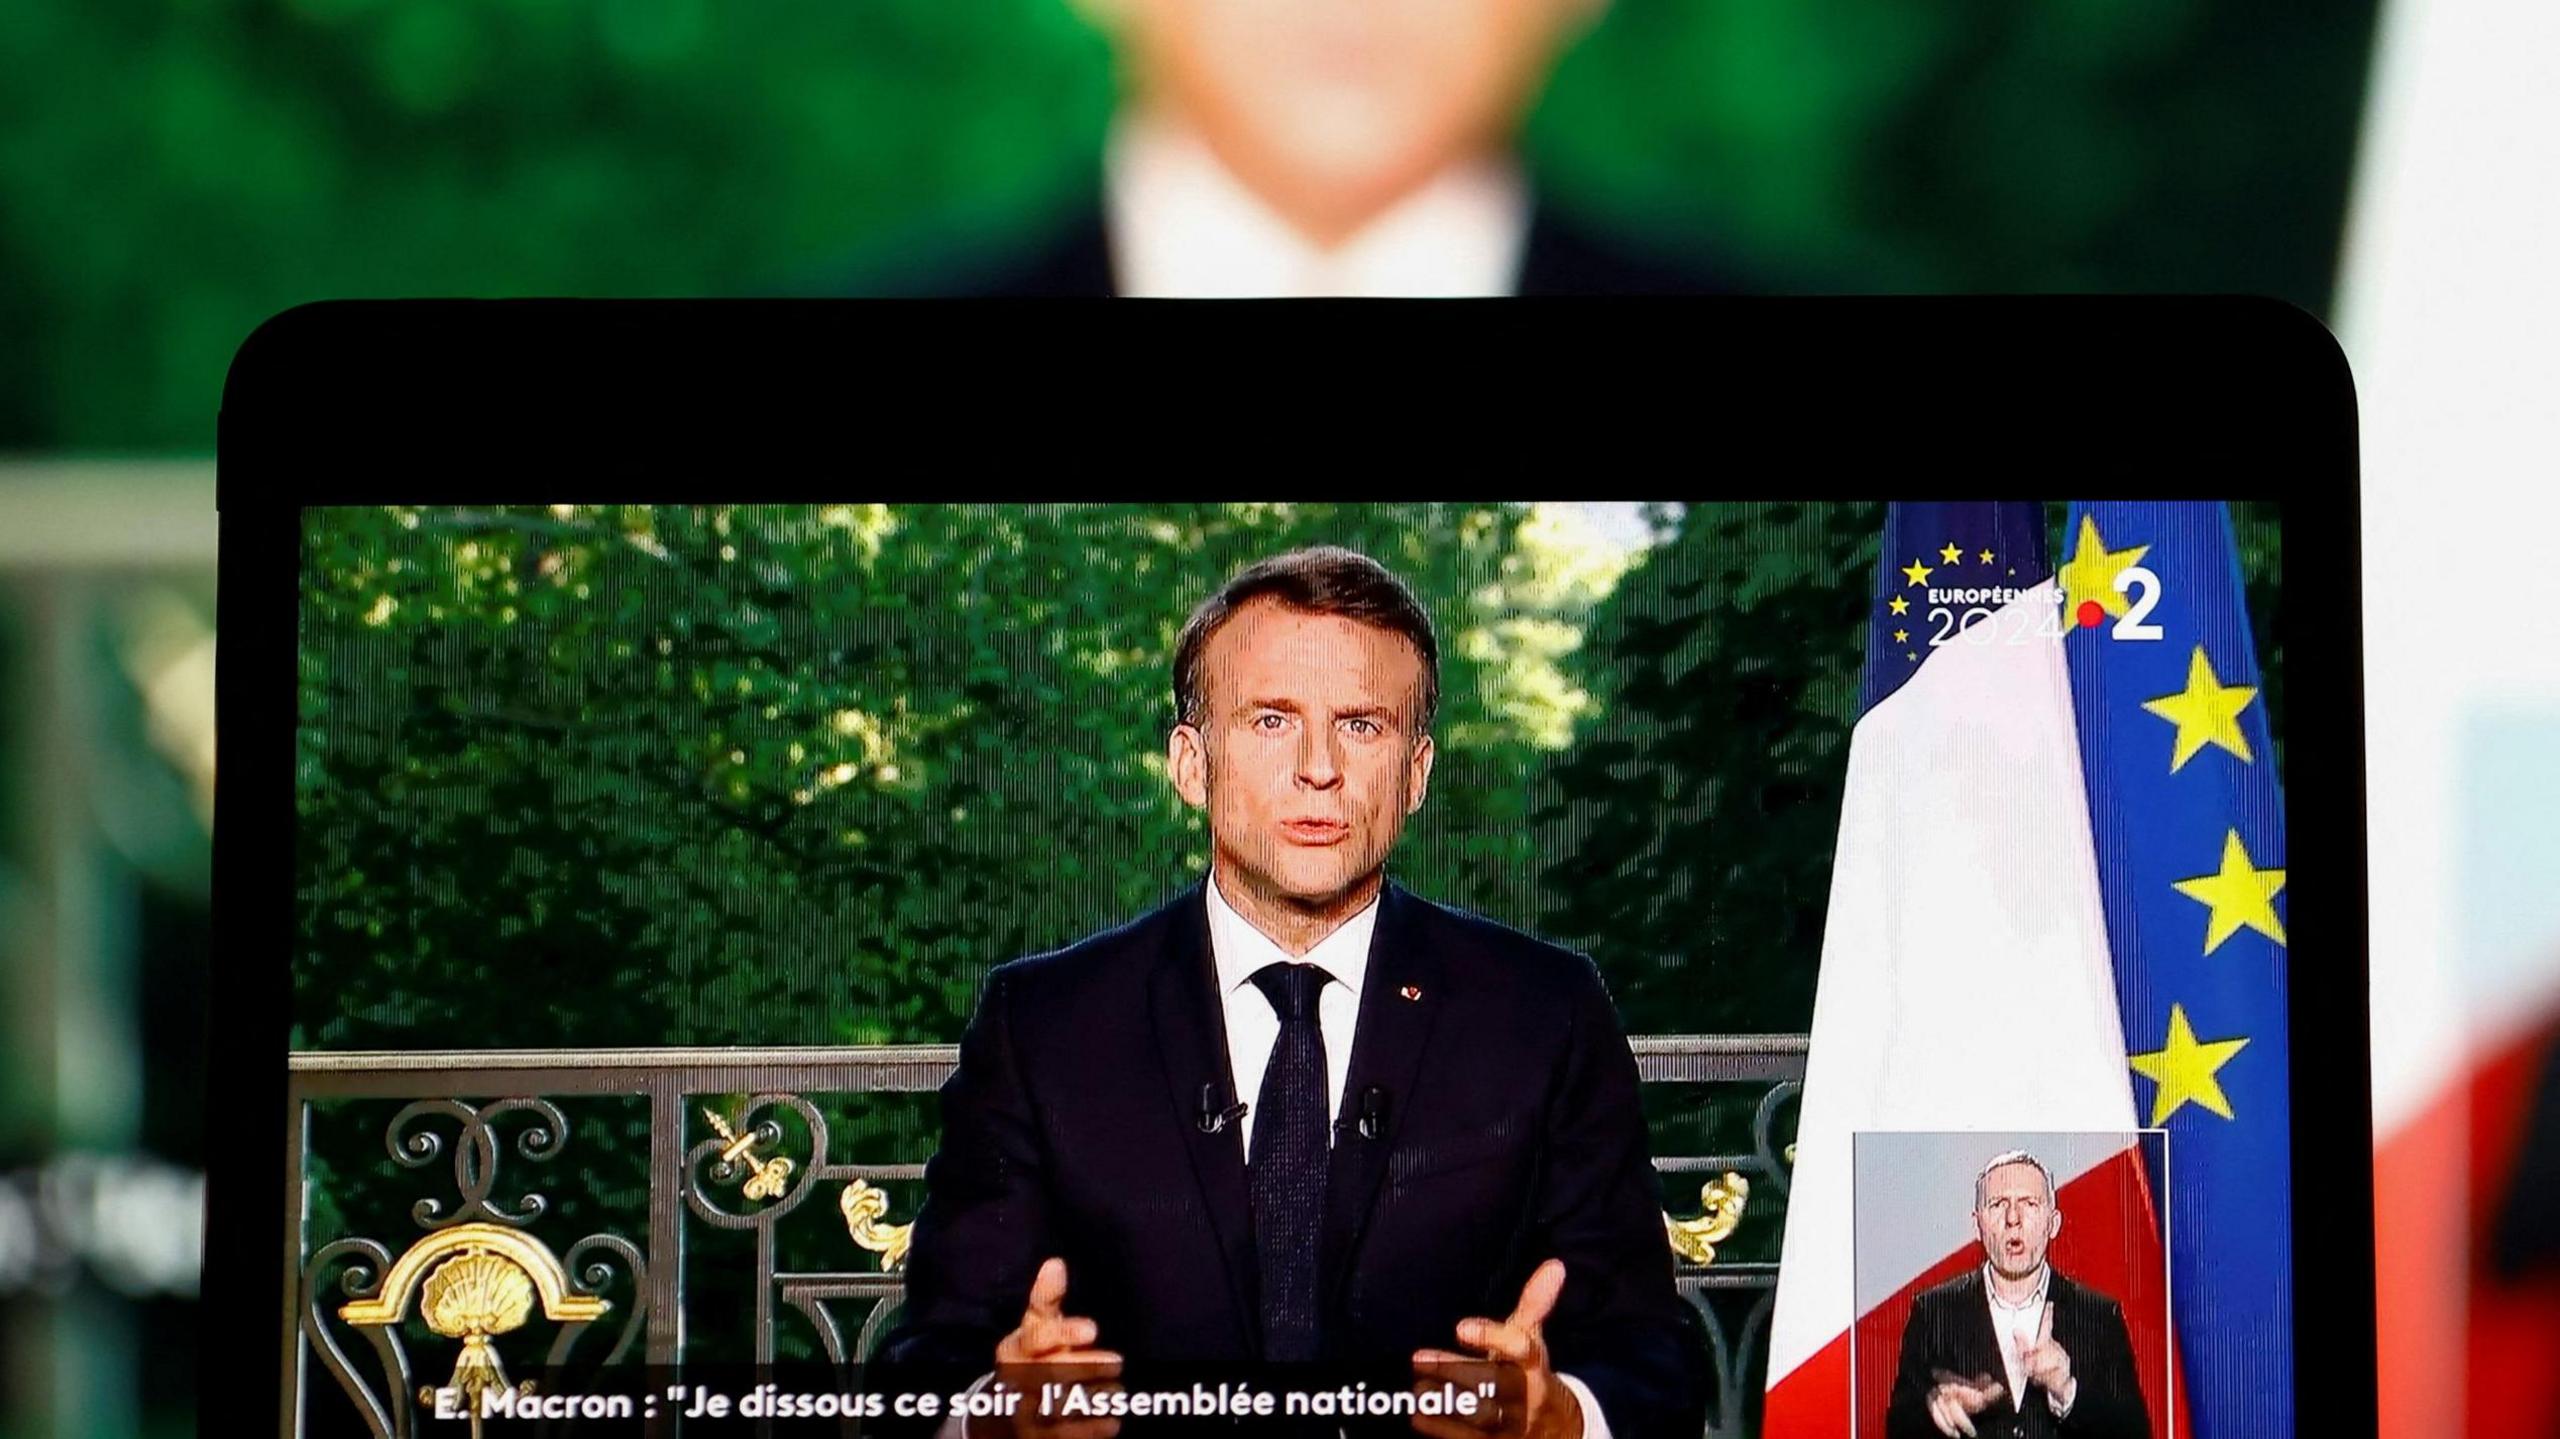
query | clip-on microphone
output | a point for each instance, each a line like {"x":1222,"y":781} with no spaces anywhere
{"x":1212,"y":1118}
{"x":1373,"y":1112}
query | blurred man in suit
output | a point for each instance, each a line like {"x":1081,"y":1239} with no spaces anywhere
{"x":1327,"y":147}
{"x":1300,"y":1114}
{"x":2014,"y":1348}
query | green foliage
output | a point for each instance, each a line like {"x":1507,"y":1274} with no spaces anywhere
{"x":171,"y":174}
{"x":746,"y":775}
{"x":735,"y":775}
{"x":1691,"y":832}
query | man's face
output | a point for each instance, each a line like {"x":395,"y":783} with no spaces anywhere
{"x":2017,"y":1219}
{"x":1356,"y":100}
{"x":1305,"y":755}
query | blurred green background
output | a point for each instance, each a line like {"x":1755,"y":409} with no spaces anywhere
{"x":174,"y":171}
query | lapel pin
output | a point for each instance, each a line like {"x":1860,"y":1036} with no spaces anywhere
{"x":1411,"y":991}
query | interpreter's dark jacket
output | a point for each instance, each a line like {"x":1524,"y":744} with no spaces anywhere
{"x":1950,"y":1329}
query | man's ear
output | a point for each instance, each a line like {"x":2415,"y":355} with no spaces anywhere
{"x":1186,"y":763}
{"x":2053,"y":1227}
{"x":1418,"y":776}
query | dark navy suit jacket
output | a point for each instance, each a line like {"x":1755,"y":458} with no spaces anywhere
{"x":1508,"y":1133}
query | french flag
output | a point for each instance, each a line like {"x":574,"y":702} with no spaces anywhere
{"x":2053,"y":911}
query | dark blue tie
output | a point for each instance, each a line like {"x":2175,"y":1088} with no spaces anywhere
{"x":1287,"y":1168}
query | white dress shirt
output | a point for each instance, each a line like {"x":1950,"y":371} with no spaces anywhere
{"x":2016,"y":1325}
{"x":1182,"y":226}
{"x":1253,"y":1027}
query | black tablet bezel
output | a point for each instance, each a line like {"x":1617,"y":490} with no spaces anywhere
{"x":470,"y":401}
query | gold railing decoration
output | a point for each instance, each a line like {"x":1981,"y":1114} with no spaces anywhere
{"x":766,"y":1178}
{"x":475,"y":1282}
{"x":864,"y":1207}
{"x":1723,"y":1198}
{"x":722,"y":1156}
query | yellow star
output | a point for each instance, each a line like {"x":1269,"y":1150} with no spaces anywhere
{"x":1900,"y":635}
{"x":1911,"y":655}
{"x":1898,"y":604}
{"x":2207,"y":712}
{"x":1916,"y":572}
{"x":2239,"y":894}
{"x":1951,"y":555}
{"x":2092,"y":570}
{"x":2184,"y":1069}
{"x":1986,"y":557}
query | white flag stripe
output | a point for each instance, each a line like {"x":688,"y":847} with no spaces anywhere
{"x":1965,"y":978}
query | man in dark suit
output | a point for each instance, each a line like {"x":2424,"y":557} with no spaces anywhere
{"x":1319,"y":148}
{"x":2014,"y":1348}
{"x":1300,"y":1114}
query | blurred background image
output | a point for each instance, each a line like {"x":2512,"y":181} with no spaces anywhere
{"x":172,"y":174}
{"x":106,"y":776}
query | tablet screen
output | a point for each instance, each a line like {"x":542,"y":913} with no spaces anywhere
{"x":655,"y":860}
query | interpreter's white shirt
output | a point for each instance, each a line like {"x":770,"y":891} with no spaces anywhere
{"x":1182,"y":226}
{"x":2016,"y":1325}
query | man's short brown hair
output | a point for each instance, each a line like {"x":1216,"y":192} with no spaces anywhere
{"x":1322,"y":580}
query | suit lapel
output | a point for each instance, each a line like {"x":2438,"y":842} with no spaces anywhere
{"x":1387,"y":1047}
{"x":1191,"y":1043}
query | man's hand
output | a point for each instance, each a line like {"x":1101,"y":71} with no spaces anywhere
{"x":1530,"y":1401}
{"x":1052,"y":1346}
{"x":1955,"y":1400}
{"x":2048,"y":1367}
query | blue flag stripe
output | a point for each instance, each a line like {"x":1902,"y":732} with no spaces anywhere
{"x":2188,"y":820}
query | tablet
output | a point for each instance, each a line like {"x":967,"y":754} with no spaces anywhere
{"x":985,"y":869}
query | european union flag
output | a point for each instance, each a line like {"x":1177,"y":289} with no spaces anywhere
{"x":1945,"y":566}
{"x":2188,"y":821}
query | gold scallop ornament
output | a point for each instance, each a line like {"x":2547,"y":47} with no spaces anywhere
{"x":472,"y":1297}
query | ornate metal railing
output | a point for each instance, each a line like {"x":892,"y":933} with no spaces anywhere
{"x":735,"y":1141}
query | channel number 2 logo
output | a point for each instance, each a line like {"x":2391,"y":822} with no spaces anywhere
{"x":2130,"y":625}
{"x":2098,"y":582}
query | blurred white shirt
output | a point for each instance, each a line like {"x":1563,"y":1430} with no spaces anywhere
{"x":1183,"y":227}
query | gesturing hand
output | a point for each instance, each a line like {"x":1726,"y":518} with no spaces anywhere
{"x":1955,"y":1400}
{"x":2047,"y":1365}
{"x":1530,"y":1401}
{"x":1052,"y":1346}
